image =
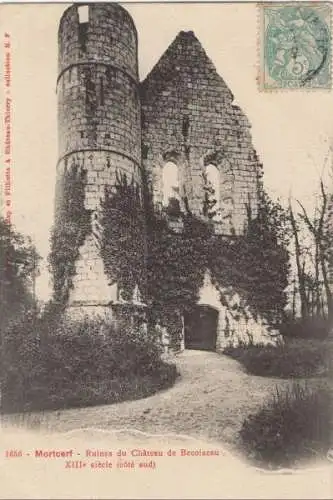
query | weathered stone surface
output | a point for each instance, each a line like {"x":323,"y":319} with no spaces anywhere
{"x":182,"y":112}
{"x":187,"y":111}
{"x":236,"y":323}
{"x":99,"y":122}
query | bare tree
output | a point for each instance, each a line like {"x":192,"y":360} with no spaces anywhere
{"x":299,"y":265}
{"x":318,"y":230}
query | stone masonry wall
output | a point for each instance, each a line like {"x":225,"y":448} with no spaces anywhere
{"x":111,"y":38}
{"x":183,"y":112}
{"x":98,"y":99}
{"x":90,"y":284}
{"x":236,"y":322}
{"x":98,"y":108}
{"x":188,"y":117}
{"x":99,"y":123}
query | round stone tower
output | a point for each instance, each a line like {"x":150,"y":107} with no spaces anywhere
{"x":98,"y":123}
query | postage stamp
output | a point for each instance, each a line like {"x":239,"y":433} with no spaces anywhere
{"x":295,"y":46}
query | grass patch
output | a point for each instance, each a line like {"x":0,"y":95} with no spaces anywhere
{"x":293,"y":359}
{"x":78,"y":363}
{"x":292,"y":428}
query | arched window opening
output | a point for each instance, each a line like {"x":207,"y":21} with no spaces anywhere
{"x":170,"y":184}
{"x":212,"y":202}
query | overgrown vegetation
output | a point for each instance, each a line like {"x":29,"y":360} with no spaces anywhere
{"x":53,"y":363}
{"x":311,"y":327}
{"x":19,"y":263}
{"x":123,"y":235}
{"x":254,"y":264}
{"x":293,"y":359}
{"x":293,"y":427}
{"x":70,"y":230}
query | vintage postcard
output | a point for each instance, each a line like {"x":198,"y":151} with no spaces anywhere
{"x":295,"y":45}
{"x":166,"y":250}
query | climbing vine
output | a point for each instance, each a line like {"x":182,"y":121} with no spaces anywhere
{"x":256,"y":264}
{"x":72,"y":225}
{"x":177,"y":262}
{"x":175,"y":268}
{"x":123,"y":235}
{"x":138,"y":247}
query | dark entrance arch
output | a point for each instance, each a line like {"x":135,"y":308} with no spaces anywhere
{"x":201,"y":328}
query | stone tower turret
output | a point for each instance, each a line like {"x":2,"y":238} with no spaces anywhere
{"x":98,"y":122}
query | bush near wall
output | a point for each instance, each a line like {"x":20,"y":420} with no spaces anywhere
{"x":59,"y":364}
{"x":294,"y":427}
{"x":315,"y":327}
{"x":293,"y":359}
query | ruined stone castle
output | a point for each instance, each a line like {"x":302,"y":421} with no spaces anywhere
{"x":180,"y":125}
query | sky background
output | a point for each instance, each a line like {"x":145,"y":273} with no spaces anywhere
{"x":291,"y":130}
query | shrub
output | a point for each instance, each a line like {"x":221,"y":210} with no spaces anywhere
{"x":310,"y":328}
{"x":63,"y":363}
{"x":293,"y":427}
{"x":291,"y":359}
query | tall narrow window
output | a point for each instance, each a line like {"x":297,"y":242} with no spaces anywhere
{"x":170,"y":182}
{"x":83,"y":12}
{"x":212,"y":202}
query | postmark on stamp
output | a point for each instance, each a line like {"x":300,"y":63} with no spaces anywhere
{"x":295,"y":50}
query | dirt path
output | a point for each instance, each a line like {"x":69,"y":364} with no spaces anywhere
{"x":204,"y":410}
{"x":209,"y":401}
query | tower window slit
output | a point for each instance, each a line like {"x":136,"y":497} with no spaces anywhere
{"x":83,"y":35}
{"x":83,"y":12}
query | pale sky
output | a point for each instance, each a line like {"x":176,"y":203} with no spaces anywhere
{"x":291,"y":130}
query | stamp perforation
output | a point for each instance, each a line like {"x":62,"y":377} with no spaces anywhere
{"x":264,"y":80}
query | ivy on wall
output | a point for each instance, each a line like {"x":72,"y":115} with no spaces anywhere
{"x":170,"y":266}
{"x":72,"y":225}
{"x":123,"y":235}
{"x":138,"y":248}
{"x":176,"y":269}
{"x":256,"y":264}
{"x":176,"y":262}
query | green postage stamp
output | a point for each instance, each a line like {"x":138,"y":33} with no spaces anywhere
{"x":295,"y":49}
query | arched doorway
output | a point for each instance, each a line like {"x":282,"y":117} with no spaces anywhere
{"x":201,"y":328}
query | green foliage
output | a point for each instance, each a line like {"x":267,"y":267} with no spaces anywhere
{"x":315,"y":327}
{"x":71,"y":228}
{"x":139,"y":248}
{"x":295,"y":359}
{"x":264,"y":259}
{"x":295,"y":426}
{"x":176,"y":263}
{"x":18,"y":268}
{"x":123,"y":235}
{"x":256,"y":264}
{"x":50,"y":363}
